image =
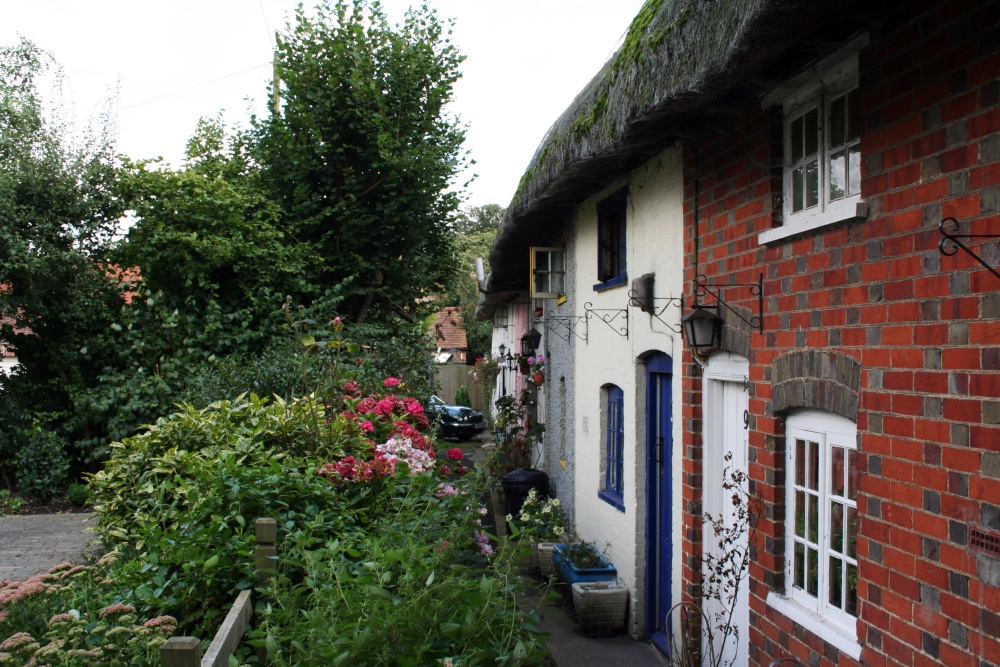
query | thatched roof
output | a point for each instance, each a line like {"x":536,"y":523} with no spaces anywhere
{"x":680,"y":62}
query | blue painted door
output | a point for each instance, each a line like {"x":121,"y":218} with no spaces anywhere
{"x":659,"y":446}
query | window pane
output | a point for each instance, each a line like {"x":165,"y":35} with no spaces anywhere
{"x":836,"y":583}
{"x":852,"y":477}
{"x":558,"y":283}
{"x":853,"y":113}
{"x":812,"y":518}
{"x":837,"y":121}
{"x":812,"y":468}
{"x":838,"y":175}
{"x":852,"y":590}
{"x":800,"y":566}
{"x":800,"y":462}
{"x":811,"y":137}
{"x":837,"y":527}
{"x":557,"y":261}
{"x":852,"y":532}
{"x":812,"y":572}
{"x":798,"y":189}
{"x":796,"y":139}
{"x":854,"y":169}
{"x":812,"y":184}
{"x":837,"y":471}
{"x":540,"y":281}
{"x":800,"y":513}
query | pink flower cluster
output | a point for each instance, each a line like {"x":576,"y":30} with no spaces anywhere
{"x":417,"y":458}
{"x":485,"y":548}
{"x":14,"y":591}
{"x":350,"y":469}
{"x":117,"y":608}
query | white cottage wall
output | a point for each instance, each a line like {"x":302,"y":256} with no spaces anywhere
{"x":654,"y":244}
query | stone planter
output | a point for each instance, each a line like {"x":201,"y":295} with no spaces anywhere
{"x":546,"y":568}
{"x":600,"y":605}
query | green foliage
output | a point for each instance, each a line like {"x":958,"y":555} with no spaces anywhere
{"x":407,"y":591}
{"x":361,"y":155}
{"x":462,"y":397}
{"x":540,"y":519}
{"x":42,"y":464}
{"x":473,"y":238}
{"x":78,"y":495}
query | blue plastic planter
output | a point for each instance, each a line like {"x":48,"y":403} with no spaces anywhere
{"x":572,"y":574}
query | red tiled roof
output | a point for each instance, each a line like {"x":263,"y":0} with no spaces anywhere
{"x":448,"y":330}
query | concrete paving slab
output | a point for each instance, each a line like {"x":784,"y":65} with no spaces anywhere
{"x":35,"y":543}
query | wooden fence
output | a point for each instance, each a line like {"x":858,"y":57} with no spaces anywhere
{"x":451,"y":377}
{"x":186,"y":651}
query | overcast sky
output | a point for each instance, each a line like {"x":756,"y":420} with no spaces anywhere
{"x":174,"y":61}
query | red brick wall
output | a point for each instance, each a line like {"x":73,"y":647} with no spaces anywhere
{"x":925,"y":327}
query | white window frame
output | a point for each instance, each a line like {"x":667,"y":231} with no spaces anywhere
{"x":815,"y":613}
{"x":815,"y":87}
{"x":548,"y":254}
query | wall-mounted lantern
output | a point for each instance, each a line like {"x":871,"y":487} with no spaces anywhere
{"x":530,"y":342}
{"x":702,"y":326}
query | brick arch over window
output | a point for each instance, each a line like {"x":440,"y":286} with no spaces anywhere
{"x":818,"y":379}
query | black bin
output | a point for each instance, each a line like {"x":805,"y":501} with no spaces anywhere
{"x":516,"y":485}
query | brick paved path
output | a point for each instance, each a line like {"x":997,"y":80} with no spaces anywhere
{"x":34,"y":543}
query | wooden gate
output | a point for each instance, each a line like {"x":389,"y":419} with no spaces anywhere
{"x":453,"y":376}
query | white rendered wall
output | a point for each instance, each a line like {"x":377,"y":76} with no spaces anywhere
{"x":654,"y":244}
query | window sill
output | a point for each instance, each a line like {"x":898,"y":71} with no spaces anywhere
{"x":611,"y":282}
{"x":616,"y":500}
{"x":853,"y":209}
{"x":816,"y":624}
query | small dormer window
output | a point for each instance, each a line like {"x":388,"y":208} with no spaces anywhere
{"x":548,"y":273}
{"x":611,"y":266}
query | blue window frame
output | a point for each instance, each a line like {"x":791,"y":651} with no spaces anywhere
{"x":611,"y":267}
{"x":614,"y":450}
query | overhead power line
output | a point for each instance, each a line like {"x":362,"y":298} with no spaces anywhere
{"x":189,"y":89}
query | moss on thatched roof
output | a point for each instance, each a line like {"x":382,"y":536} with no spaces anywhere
{"x":677,"y":57}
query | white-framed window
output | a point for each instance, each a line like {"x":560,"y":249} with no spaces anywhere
{"x":548,"y":273}
{"x":821,"y":137}
{"x":821,"y":515}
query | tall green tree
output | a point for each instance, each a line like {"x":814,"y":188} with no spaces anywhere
{"x":361,"y":153}
{"x":474,"y":231}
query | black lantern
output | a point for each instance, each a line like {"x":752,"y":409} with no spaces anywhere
{"x":530,"y":342}
{"x":701,"y":326}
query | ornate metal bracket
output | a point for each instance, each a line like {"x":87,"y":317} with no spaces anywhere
{"x":564,"y":326}
{"x":756,"y":289}
{"x":658,"y":309}
{"x":608,"y":316}
{"x":950,"y":244}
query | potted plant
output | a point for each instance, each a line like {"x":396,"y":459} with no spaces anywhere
{"x":536,"y":367}
{"x":582,"y":562}
{"x":542,"y":521}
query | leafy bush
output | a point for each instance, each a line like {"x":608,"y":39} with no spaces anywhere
{"x":462,"y":397}
{"x":78,"y":495}
{"x":42,"y":464}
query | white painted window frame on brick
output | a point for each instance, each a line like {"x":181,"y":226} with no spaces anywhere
{"x":815,"y":614}
{"x":815,"y":87}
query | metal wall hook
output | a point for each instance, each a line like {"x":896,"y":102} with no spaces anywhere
{"x":609,"y":316}
{"x":705,"y":288}
{"x":657,"y":309}
{"x":950,"y":243}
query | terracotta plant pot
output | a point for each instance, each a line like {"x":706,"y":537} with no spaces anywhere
{"x":523,"y":367}
{"x":538,"y":378}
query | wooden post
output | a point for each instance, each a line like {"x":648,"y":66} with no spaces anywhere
{"x":266,"y":553}
{"x":181,"y":652}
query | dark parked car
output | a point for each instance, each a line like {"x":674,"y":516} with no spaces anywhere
{"x":455,"y":421}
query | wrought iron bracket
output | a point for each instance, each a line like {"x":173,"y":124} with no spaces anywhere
{"x":564,"y":326}
{"x":950,"y":244}
{"x":658,"y":310}
{"x":609,"y":317}
{"x":705,"y":288}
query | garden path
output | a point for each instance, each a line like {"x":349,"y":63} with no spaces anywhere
{"x":34,"y":543}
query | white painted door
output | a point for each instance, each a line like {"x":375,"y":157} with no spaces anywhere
{"x":726,"y":443}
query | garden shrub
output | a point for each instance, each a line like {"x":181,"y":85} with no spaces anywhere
{"x":462,"y":397}
{"x":41,"y":464}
